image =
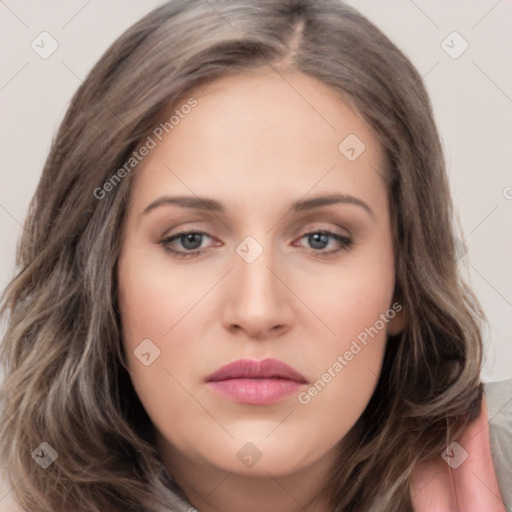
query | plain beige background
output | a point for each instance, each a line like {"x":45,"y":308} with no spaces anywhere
{"x":471,"y":94}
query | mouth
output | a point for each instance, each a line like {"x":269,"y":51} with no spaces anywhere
{"x":256,"y":382}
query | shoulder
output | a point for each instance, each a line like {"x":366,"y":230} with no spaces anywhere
{"x":498,"y":396}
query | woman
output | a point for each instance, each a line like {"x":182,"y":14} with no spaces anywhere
{"x":238,"y":285}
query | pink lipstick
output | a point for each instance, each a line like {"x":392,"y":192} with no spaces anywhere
{"x":256,"y":382}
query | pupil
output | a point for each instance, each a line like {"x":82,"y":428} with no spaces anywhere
{"x":318,"y":240}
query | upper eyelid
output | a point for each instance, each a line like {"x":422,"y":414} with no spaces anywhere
{"x":187,"y":231}
{"x":316,"y":226}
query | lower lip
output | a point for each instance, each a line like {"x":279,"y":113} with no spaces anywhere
{"x":256,"y":391}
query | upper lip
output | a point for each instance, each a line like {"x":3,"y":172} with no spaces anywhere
{"x":250,"y":369}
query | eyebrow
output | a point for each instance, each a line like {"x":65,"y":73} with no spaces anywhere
{"x":204,"y":203}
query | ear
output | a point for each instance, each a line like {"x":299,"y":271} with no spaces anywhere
{"x":399,"y":322}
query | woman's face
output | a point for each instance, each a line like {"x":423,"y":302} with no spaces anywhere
{"x":289,"y":258}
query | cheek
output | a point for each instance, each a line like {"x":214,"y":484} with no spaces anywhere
{"x":154,"y":296}
{"x":356,"y":306}
{"x":347,"y":368}
{"x":351,"y":299}
{"x":161,"y":304}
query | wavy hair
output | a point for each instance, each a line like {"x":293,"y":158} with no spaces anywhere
{"x":66,"y":380}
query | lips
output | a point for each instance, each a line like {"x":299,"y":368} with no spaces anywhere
{"x":256,"y":382}
{"x":249,"y":369}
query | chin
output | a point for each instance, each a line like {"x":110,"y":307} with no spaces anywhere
{"x":261,"y":457}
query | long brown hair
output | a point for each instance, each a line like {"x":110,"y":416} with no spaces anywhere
{"x":66,"y":380}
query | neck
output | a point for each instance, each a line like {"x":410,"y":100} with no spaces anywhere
{"x":211,"y":489}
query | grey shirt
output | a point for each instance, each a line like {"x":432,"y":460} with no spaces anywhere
{"x":499,"y":410}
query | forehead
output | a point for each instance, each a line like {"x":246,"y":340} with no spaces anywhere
{"x":262,"y":134}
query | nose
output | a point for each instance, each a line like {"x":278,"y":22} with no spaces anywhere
{"x":257,"y":302}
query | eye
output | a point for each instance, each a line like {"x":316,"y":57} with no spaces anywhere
{"x":190,"y":241}
{"x":320,"y":240}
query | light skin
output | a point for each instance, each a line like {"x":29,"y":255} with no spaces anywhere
{"x":257,"y":143}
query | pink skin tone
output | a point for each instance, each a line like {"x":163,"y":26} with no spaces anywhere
{"x":256,"y":144}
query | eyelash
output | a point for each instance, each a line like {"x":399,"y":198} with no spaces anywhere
{"x":345,"y":243}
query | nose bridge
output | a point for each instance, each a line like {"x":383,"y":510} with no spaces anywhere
{"x":257,"y":300}
{"x":252,"y":270}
